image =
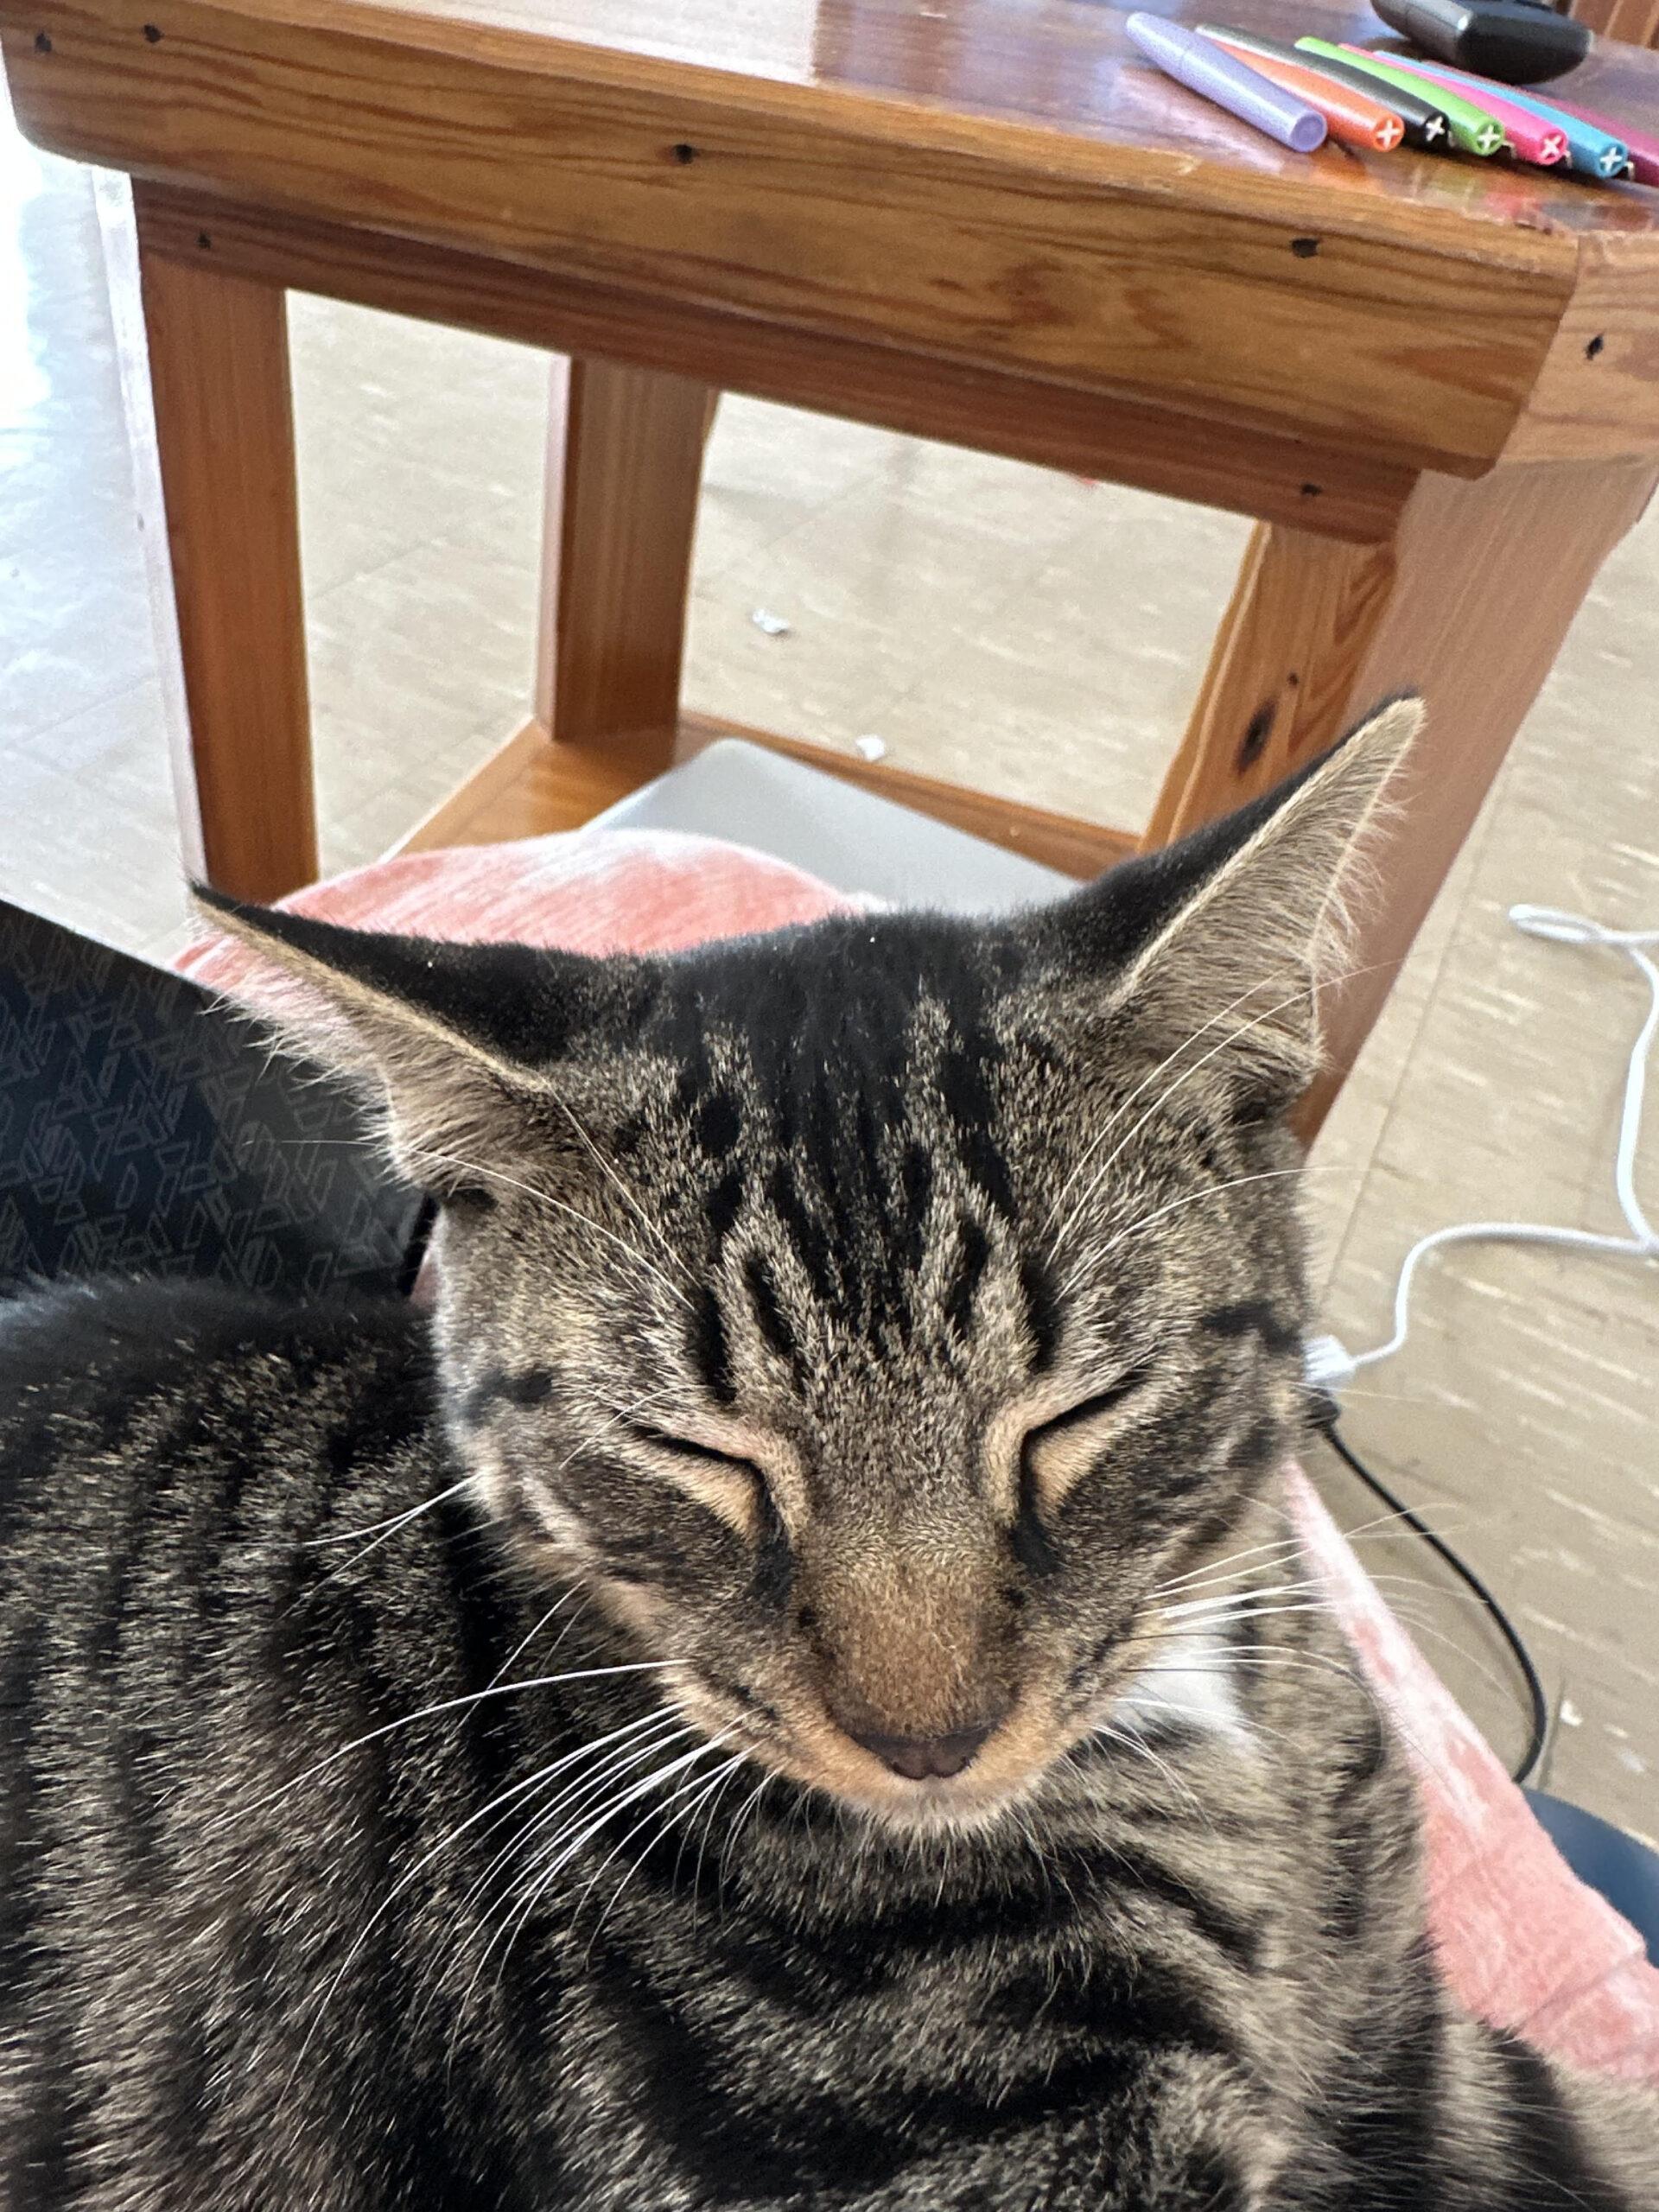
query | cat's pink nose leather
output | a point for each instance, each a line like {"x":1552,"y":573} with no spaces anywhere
{"x":924,"y":1759}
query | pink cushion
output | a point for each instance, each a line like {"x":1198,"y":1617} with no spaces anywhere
{"x":1523,"y":1943}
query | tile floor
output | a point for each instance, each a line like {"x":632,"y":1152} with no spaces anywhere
{"x":986,"y":620}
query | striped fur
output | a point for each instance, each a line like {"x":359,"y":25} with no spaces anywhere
{"x":449,"y":1761}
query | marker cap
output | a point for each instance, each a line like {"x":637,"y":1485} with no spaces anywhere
{"x":1593,"y":147}
{"x":1535,"y":138}
{"x":1426,"y":125}
{"x":1354,"y":118}
{"x":1202,"y":67}
{"x":1475,"y":131}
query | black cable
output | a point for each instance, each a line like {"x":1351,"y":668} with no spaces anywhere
{"x":1326,"y":1424}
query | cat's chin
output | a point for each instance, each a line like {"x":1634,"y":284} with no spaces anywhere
{"x":946,"y":1808}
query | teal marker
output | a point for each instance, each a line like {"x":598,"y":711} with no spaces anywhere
{"x":1595,"y":151}
{"x":1475,"y":131}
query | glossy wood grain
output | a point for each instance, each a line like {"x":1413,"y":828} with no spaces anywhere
{"x":993,"y":186}
{"x":224,"y":422}
{"x":625,"y":466}
{"x":1281,"y":677}
{"x":1635,"y":21}
{"x":1330,"y":490}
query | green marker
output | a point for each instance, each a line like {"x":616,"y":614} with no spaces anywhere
{"x":1475,"y":131}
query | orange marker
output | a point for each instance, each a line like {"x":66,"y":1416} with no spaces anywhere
{"x":1350,"y":117}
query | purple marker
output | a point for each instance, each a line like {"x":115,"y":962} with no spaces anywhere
{"x":1202,"y":67}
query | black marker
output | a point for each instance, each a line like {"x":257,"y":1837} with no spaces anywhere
{"x":1426,"y":125}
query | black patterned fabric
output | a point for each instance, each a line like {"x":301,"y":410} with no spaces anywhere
{"x":145,"y":1130}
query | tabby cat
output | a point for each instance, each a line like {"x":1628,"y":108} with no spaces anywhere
{"x":792,"y":1688}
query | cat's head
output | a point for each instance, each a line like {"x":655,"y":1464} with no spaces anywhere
{"x":874,"y":1315}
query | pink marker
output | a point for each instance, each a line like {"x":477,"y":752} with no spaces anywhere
{"x":1641,"y":146}
{"x":1534,"y":140}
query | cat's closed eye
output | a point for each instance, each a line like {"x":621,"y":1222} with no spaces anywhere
{"x":1058,"y":1452}
{"x":726,"y":1482}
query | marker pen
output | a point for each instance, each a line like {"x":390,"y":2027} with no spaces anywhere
{"x":1641,"y":146}
{"x":1353,"y":118}
{"x":1425,"y":123}
{"x":1204,"y":68}
{"x":1598,"y":149}
{"x":1535,"y":139}
{"x":1475,"y":131}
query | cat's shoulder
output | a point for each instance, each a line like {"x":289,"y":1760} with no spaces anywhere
{"x":107,"y":1340}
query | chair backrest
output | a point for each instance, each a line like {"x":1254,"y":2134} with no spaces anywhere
{"x":1636,"y":21}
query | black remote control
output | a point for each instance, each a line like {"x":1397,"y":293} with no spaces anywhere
{"x":1516,"y":41}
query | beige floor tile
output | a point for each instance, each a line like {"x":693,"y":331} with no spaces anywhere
{"x":444,"y":437}
{"x":426,"y":649}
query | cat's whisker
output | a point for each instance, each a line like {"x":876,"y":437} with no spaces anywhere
{"x":1294,"y":1546}
{"x":400,"y":1521}
{"x":709,"y":1813}
{"x":445,"y":1842}
{"x":698,"y":1790}
{"x":583,"y":1604}
{"x":604,"y":1753}
{"x":694,"y":1782}
{"x":1243,"y":1029}
{"x":1158,"y":1104}
{"x":1233,"y":1618}
{"x":1260,"y":983}
{"x":747,"y":1812}
{"x":391,"y":1522}
{"x":1420,"y":1624}
{"x":1080,"y":1165}
{"x":554,"y":1206}
{"x":623,"y":1759}
{"x":1350,"y":1672}
{"x":620,"y":1419}
{"x":1126,"y":1739}
{"x":1211,"y":1191}
{"x":1265,"y":1556}
{"x":1251,"y":1726}
{"x":525,"y":1641}
{"x":1265,"y":1655}
{"x":430,"y":1712}
{"x":566,"y":1849}
{"x":1225,"y":1599}
{"x":616,"y":1181}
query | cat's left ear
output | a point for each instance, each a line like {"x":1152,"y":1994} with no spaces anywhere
{"x":1229,"y":938}
{"x":464,"y":1049}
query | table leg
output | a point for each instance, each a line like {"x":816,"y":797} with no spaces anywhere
{"x":625,"y":468}
{"x":1468,"y":603}
{"x":224,"y":427}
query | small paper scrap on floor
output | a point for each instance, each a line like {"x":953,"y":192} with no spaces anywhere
{"x":873,"y":748}
{"x":774,"y":626}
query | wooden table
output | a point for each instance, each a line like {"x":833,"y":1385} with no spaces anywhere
{"x":1435,"y":382}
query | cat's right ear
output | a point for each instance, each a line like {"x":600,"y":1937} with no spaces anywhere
{"x":459,"y":1048}
{"x":1236,"y":933}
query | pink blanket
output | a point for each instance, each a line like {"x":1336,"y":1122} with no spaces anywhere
{"x":1524,"y":1943}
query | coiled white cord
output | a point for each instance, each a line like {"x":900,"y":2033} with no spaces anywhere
{"x":1331,"y":1366}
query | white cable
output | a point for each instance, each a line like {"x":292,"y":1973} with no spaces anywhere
{"x":1336,"y":1364}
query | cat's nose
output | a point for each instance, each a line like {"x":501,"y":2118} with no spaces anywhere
{"x":924,"y":1759}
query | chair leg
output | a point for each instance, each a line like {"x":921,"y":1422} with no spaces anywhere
{"x":625,"y":468}
{"x":1468,"y":603}
{"x":224,"y":441}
